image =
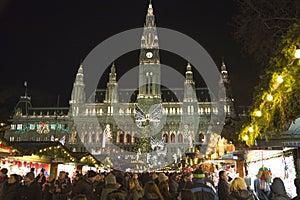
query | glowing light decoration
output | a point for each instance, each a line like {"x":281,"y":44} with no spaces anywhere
{"x":251,"y":130}
{"x":297,"y":54}
{"x":258,"y":113}
{"x":269,"y":97}
{"x":279,"y":79}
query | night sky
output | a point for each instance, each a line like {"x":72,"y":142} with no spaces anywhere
{"x":44,"y":42}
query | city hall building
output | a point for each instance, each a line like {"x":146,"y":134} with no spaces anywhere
{"x":146,"y":127}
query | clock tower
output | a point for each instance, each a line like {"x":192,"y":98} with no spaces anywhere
{"x":149,"y":63}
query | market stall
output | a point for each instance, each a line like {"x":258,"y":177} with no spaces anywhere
{"x":268,"y":164}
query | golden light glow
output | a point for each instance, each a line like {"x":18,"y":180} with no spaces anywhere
{"x":297,"y":53}
{"x":251,"y":130}
{"x":269,"y":97}
{"x":279,"y":79}
{"x":246,"y":137}
{"x":258,"y":113}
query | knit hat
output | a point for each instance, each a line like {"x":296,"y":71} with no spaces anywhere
{"x":30,"y":175}
{"x":91,"y":174}
{"x":110,"y":179}
{"x":162,"y":177}
{"x":198,"y":173}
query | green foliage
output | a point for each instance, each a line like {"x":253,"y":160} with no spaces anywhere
{"x":284,"y":108}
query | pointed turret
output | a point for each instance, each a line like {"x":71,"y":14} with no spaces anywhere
{"x":189,"y":85}
{"x":78,"y":94}
{"x":111,"y":95}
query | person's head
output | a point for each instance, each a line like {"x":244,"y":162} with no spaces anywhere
{"x":42,"y":172}
{"x":91,"y":174}
{"x":110,"y":179}
{"x":13,"y":178}
{"x":186,"y":194}
{"x":278,"y":186}
{"x":133,"y":183}
{"x":50,"y":178}
{"x":223,"y":175}
{"x":238,"y":184}
{"x":297,"y":184}
{"x":135,"y":176}
{"x":62,"y":175}
{"x":3,"y":172}
{"x":188,"y":176}
{"x":29,"y":177}
{"x":199,"y":174}
{"x":162,"y":177}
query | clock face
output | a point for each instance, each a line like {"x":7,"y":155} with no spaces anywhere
{"x":149,"y":54}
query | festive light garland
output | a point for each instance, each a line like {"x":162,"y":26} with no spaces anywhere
{"x":276,"y":99}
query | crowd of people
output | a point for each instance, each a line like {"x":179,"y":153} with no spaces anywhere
{"x":117,"y":185}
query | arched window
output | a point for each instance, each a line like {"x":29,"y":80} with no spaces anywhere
{"x":201,"y":137}
{"x":128,"y":139}
{"x":86,"y":138}
{"x":165,"y":136}
{"x":121,"y":138}
{"x":172,"y":138}
{"x":180,"y":138}
{"x":93,"y":138}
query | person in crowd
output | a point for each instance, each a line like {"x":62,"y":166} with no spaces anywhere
{"x":155,"y":178}
{"x":41,"y":179}
{"x":186,"y":182}
{"x":3,"y":179}
{"x":151,"y":192}
{"x":261,"y":193}
{"x":77,"y":178}
{"x":162,"y":177}
{"x":278,"y":191}
{"x":173,"y":184}
{"x":62,"y":187}
{"x":223,"y":185}
{"x":238,"y":190}
{"x":136,"y":192}
{"x":98,"y":185}
{"x":297,"y":184}
{"x":11,"y":188}
{"x":48,"y":188}
{"x":120,"y":193}
{"x":110,"y":186}
{"x":163,"y":187}
{"x":85,"y":185}
{"x":31,"y":190}
{"x":186,"y":194}
{"x":200,"y":189}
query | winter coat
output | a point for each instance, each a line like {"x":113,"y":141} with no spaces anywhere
{"x":135,"y":194}
{"x":84,"y":186}
{"x":65,"y":187}
{"x":108,"y":189}
{"x":223,"y":189}
{"x":11,"y":191}
{"x":117,"y":195}
{"x":32,"y":191}
{"x":202,"y":191}
{"x":241,"y":195}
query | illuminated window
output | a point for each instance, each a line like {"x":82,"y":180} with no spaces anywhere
{"x":19,"y":126}
{"x":11,"y":138}
{"x":12,"y":126}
